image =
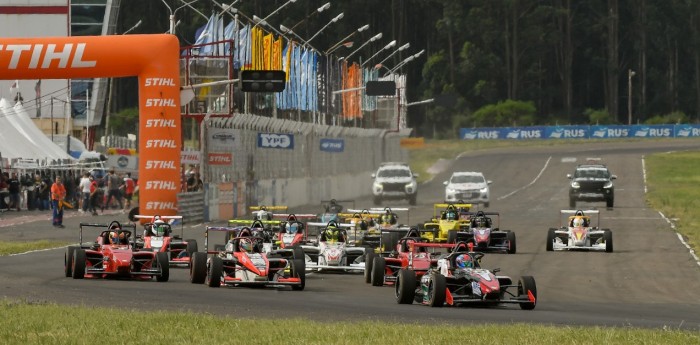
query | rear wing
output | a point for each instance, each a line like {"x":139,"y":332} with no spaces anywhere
{"x":268,"y":208}
{"x":566,"y":215}
{"x":437,"y":208}
{"x":105,"y":226}
{"x":298,"y":216}
{"x":378,"y":211}
{"x":227,"y":229}
{"x":340,"y":225}
{"x":166,"y":218}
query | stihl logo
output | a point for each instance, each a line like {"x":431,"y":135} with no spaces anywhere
{"x":42,"y":57}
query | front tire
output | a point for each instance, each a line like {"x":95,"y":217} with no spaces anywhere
{"x":405,"y":286}
{"x":79,"y":260}
{"x":299,"y":270}
{"x":378,"y":271}
{"x":68,"y":260}
{"x":607,"y":235}
{"x":511,"y":240}
{"x":436,"y":290}
{"x":551,"y":235}
{"x":164,"y":264}
{"x":369,"y":261}
{"x":216,"y":266}
{"x":525,"y":285}
{"x":198,"y":268}
{"x":191,"y":247}
{"x":452,"y":236}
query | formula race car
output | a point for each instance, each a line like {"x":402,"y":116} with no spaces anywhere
{"x":263,"y":212}
{"x":411,"y":252}
{"x":158,"y":237}
{"x":487,"y":235}
{"x":447,"y":220}
{"x":243,"y":263}
{"x":458,"y":279}
{"x":331,"y":208}
{"x":576,"y":232}
{"x":113,"y":255}
{"x":292,"y":231}
{"x":332,"y":251}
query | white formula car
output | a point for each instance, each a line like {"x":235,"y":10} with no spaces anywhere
{"x":576,"y":232}
{"x":332,"y":252}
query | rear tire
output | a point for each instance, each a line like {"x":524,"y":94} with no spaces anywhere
{"x":216,"y":266}
{"x":369,"y":261}
{"x":511,"y":240}
{"x":68,"y":260}
{"x":452,"y":236}
{"x":607,"y":235}
{"x":527,"y":283}
{"x":191,"y":247}
{"x":378,"y":271}
{"x":164,"y":263}
{"x":79,"y":261}
{"x":299,"y":270}
{"x":551,"y":235}
{"x":405,"y":286}
{"x":436,"y":290}
{"x":198,"y":268}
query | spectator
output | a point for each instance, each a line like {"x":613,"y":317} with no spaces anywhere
{"x":129,"y":186}
{"x":198,"y":184}
{"x":58,"y":195}
{"x":95,"y":195}
{"x":3,"y":192}
{"x":85,"y":192}
{"x":28,"y":184}
{"x":41,"y":188}
{"x":70,"y":185}
{"x":191,"y":182}
{"x":113,"y":184}
{"x":14,"y":189}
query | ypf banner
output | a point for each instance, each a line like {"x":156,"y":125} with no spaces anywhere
{"x":276,"y":141}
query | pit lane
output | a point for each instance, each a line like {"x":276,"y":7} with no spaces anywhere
{"x":650,"y":280}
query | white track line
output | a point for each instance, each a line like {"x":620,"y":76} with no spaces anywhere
{"x":673,"y":226}
{"x":529,"y":184}
{"x":36,"y":251}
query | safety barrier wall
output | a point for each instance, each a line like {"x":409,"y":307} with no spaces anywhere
{"x":582,"y":132}
{"x":253,"y":160}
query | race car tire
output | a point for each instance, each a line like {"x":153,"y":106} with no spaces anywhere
{"x":299,"y":270}
{"x":405,"y":286}
{"x":369,"y":261}
{"x":436,"y":290}
{"x":377,"y":201}
{"x":511,"y":239}
{"x":79,"y":259}
{"x":198,"y":268}
{"x":572,"y":203}
{"x":527,"y":283}
{"x":216,"y":266}
{"x":452,"y":236}
{"x":192,"y":247}
{"x":413,"y":200}
{"x":607,"y":235}
{"x":550,"y":239}
{"x":378,"y":271}
{"x":298,"y":253}
{"x":163,"y":261}
{"x":68,"y":260}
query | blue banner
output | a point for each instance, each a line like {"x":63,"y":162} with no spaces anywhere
{"x":332,"y":145}
{"x":612,"y":131}
{"x":566,"y":132}
{"x":581,"y":132}
{"x":274,"y":140}
{"x":686,"y":131}
{"x":656,"y":131}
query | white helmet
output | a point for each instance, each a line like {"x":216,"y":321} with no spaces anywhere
{"x":159,"y":228}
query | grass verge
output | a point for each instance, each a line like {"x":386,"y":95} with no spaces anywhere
{"x":32,"y":323}
{"x":672,"y":188}
{"x":7,"y":248}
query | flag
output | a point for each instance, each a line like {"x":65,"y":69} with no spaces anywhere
{"x":14,"y":88}
{"x":37,"y":100}
{"x":230,"y":35}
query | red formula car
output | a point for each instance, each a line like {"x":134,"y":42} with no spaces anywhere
{"x":113,"y":254}
{"x":243,"y":263}
{"x":158,"y":237}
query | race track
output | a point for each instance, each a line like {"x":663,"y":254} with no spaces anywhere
{"x":650,"y":280}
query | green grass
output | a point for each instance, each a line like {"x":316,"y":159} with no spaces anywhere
{"x":672,"y":188}
{"x":7,"y":248}
{"x":42,"y":323}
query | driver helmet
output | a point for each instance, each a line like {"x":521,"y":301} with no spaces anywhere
{"x":464,"y":261}
{"x":578,"y":221}
{"x":261,"y":215}
{"x":159,"y":228}
{"x":480,"y":222}
{"x":245,"y":245}
{"x":116,"y":237}
{"x":293,"y":228}
{"x":332,"y":234}
{"x":451,"y":215}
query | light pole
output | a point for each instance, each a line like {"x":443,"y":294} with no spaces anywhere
{"x":318,"y":10}
{"x":630,"y":74}
{"x":337,"y":45}
{"x":405,"y":61}
{"x":273,"y":12}
{"x":388,"y":46}
{"x":401,"y":48}
{"x":374,"y":38}
{"x":172,"y":14}
{"x":337,"y":18}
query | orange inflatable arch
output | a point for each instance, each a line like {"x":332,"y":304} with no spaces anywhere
{"x":154,"y":60}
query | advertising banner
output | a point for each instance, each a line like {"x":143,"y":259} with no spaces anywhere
{"x":332,"y":145}
{"x":276,"y":141}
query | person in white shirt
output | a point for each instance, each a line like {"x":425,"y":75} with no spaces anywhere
{"x":85,"y":190}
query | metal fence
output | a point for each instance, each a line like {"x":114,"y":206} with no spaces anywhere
{"x":249,"y":147}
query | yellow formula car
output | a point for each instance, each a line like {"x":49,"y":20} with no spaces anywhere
{"x":447,"y":220}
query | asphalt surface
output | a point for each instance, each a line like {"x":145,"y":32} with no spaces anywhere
{"x":649,"y":281}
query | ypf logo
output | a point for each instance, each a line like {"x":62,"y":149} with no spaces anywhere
{"x":281,"y":141}
{"x":122,"y":162}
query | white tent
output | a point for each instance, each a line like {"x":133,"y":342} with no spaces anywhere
{"x":20,"y":138}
